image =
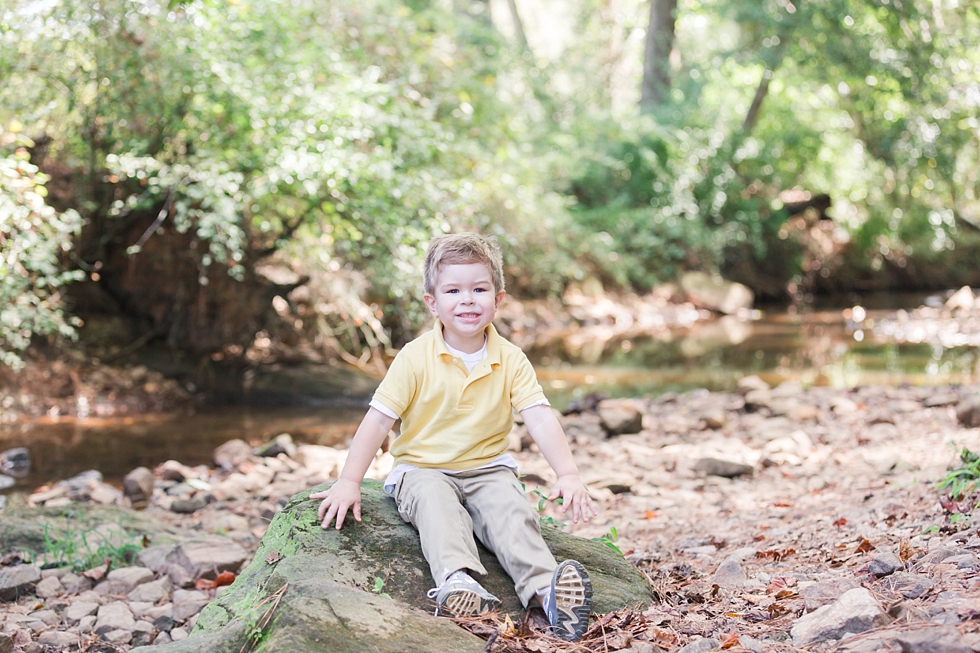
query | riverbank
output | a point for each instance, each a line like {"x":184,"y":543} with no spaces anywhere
{"x":747,"y":510}
{"x":586,"y":324}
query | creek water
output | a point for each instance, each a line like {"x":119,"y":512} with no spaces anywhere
{"x":820,"y":346}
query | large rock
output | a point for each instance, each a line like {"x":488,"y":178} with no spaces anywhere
{"x":854,"y":612}
{"x":968,"y":412}
{"x":17,"y":580}
{"x":620,"y":416}
{"x":716,"y":294}
{"x":138,"y":486}
{"x":328,"y":604}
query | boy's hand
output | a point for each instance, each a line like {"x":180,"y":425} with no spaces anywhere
{"x":341,"y":496}
{"x":575,"y":497}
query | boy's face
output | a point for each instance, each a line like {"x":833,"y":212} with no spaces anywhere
{"x":465,"y":302}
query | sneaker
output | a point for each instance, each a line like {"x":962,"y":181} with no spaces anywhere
{"x":569,"y":602}
{"x":461,"y":596}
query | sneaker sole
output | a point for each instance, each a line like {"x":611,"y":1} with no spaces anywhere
{"x":573,"y":600}
{"x":466,"y":603}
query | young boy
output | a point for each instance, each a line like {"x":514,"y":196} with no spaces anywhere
{"x":454,"y":388}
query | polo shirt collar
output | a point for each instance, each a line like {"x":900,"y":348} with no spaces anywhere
{"x":493,"y":343}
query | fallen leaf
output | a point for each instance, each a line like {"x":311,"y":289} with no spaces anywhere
{"x":840,"y":522}
{"x":864,"y":546}
{"x":948,"y":504}
{"x":98,"y":573}
{"x":775,"y":555}
{"x":224,"y":578}
{"x":650,"y":515}
{"x":203,"y":584}
{"x":730,"y":641}
{"x":780,"y":583}
{"x":783,"y":504}
{"x":273,"y":557}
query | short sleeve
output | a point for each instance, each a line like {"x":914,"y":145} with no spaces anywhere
{"x":400,"y":385}
{"x":525,"y":390}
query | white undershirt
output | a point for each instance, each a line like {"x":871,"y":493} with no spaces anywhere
{"x":503,"y":460}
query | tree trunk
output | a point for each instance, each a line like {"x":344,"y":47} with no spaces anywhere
{"x":655,"y":88}
{"x":518,"y":26}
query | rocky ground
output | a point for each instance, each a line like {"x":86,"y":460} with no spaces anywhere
{"x":771,"y":519}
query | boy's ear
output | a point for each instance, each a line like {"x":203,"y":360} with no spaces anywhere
{"x":499,"y":298}
{"x":430,"y":301}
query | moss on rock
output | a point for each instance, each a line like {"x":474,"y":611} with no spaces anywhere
{"x":328,"y":571}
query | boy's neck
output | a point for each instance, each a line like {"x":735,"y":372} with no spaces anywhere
{"x":468,"y":345}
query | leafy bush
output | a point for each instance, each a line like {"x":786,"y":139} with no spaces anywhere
{"x":32,"y":238}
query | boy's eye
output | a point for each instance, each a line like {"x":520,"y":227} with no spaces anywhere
{"x":453,"y":291}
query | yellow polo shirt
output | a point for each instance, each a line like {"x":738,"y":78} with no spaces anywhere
{"x":453,"y":419}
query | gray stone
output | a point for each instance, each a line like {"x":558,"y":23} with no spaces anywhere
{"x":120,"y":637}
{"x":715,"y":293}
{"x":16,"y":461}
{"x":79,"y":483}
{"x":79,"y":610}
{"x":59,"y":640}
{"x":324,"y":568}
{"x":138,"y":487}
{"x":938,"y":639}
{"x":282,"y":443}
{"x":48,"y":617}
{"x":231,"y":454}
{"x":114,"y":616}
{"x":911,"y":586}
{"x":205,"y":558}
{"x":152,"y":592}
{"x":143,"y":633}
{"x":941,"y":399}
{"x":187,"y":506}
{"x":75,"y":584}
{"x":154,"y":558}
{"x":715,"y":418}
{"x":6,"y":643}
{"x":49,"y":587}
{"x":188,"y":603}
{"x":131,"y":576}
{"x":6,"y":482}
{"x":968,"y":412}
{"x":620,"y":416}
{"x":17,"y":580}
{"x":319,"y":614}
{"x":748,"y":383}
{"x":701,"y":646}
{"x":963,"y":561}
{"x":885,"y":564}
{"x":724,"y":468}
{"x":729,"y":574}
{"x":854,"y":612}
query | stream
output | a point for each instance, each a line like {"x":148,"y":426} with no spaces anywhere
{"x":819,"y":347}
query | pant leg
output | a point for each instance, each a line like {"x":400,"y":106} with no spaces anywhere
{"x":507,"y":525}
{"x":430,"y":501}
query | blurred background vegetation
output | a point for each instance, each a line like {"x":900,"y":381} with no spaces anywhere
{"x":220,"y":172}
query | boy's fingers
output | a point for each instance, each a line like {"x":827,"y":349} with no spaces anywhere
{"x":357,"y":511}
{"x":328,"y":517}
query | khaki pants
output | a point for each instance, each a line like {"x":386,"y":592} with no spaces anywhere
{"x":448,"y":509}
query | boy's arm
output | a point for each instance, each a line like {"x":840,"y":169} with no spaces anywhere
{"x":550,"y":438}
{"x":346,"y":492}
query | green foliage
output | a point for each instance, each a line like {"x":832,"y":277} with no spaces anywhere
{"x":73,"y":548}
{"x":379,"y":586}
{"x":609,"y":539}
{"x":965,"y":479}
{"x":547,"y":520}
{"x":33,"y":236}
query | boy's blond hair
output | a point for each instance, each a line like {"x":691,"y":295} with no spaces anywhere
{"x":456,"y":249}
